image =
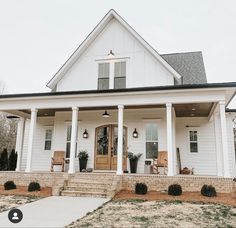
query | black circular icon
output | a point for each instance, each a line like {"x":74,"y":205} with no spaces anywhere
{"x":15,"y":215}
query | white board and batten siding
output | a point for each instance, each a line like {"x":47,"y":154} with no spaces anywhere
{"x":204,"y":162}
{"x":142,"y":69}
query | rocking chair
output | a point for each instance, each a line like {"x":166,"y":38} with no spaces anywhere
{"x":161,"y":161}
{"x":58,"y":159}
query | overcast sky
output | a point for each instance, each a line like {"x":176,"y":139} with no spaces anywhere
{"x":38,"y":36}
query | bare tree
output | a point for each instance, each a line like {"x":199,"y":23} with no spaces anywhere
{"x":8,"y":127}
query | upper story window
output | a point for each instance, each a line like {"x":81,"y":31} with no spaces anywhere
{"x":120,"y":75}
{"x":193,"y":140}
{"x":103,"y":75}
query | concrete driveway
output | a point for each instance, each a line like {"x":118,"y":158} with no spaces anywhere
{"x":55,"y":211}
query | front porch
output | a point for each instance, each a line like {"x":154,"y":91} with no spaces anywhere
{"x":163,"y":120}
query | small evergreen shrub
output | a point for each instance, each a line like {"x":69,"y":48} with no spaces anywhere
{"x":34,"y":186}
{"x":141,"y":188}
{"x":12,"y":160}
{"x":9,"y":185}
{"x":4,"y":160}
{"x":208,"y":190}
{"x":175,"y":190}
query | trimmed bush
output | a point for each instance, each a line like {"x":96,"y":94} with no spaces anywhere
{"x":9,"y":185}
{"x":34,"y":186}
{"x":175,"y":190}
{"x":208,"y":190}
{"x":141,"y":188}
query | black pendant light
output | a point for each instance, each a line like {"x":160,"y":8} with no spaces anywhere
{"x":105,"y":114}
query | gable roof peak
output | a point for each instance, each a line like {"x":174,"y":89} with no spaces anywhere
{"x":92,"y":36}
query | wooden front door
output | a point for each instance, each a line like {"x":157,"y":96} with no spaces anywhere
{"x":106,"y":140}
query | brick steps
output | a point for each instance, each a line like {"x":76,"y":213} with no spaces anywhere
{"x":93,"y":185}
{"x":82,"y":193}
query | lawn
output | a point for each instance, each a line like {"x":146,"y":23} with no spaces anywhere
{"x":9,"y":201}
{"x":141,"y":213}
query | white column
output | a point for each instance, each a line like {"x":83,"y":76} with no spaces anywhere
{"x":19,"y":141}
{"x":73,"y":139}
{"x":32,"y":130}
{"x":120,"y":141}
{"x":174,"y":140}
{"x":219,"y":155}
{"x":224,"y":139}
{"x":169,"y":139}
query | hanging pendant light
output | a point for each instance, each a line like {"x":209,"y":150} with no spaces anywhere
{"x":105,"y":114}
{"x":135,"y":133}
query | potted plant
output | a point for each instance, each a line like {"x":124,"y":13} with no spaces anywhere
{"x":83,"y":158}
{"x":133,"y":160}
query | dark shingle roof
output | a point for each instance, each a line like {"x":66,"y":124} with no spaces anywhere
{"x":189,"y":65}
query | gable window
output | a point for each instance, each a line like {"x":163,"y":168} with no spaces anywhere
{"x":48,"y":139}
{"x":103,"y":75}
{"x":193,"y":140}
{"x":151,"y":140}
{"x":120,"y":75}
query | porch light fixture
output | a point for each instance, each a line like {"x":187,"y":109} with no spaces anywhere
{"x":111,"y":54}
{"x":105,"y":114}
{"x":135,"y":133}
{"x":85,"y":134}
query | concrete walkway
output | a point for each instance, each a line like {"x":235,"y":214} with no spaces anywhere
{"x":55,"y":211}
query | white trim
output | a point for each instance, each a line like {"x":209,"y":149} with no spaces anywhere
{"x":92,"y":36}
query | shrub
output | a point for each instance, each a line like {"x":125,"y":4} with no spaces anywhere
{"x":34,"y":186}
{"x":175,"y":190}
{"x":12,"y":160}
{"x":141,"y":188}
{"x":4,"y":160}
{"x":208,"y":190}
{"x":9,"y":185}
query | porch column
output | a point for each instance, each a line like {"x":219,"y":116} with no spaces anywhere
{"x":224,"y":139}
{"x":120,"y":141}
{"x":19,"y":141}
{"x":74,"y":126}
{"x":32,"y":130}
{"x":169,"y":139}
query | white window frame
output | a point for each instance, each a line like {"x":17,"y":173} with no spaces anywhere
{"x":109,"y":76}
{"x":120,"y":61}
{"x":45,"y":130}
{"x":189,"y":141}
{"x":112,"y":70}
{"x":157,"y":141}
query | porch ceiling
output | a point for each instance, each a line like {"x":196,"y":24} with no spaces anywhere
{"x":181,"y":110}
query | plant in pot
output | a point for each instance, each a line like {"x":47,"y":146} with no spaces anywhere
{"x":83,"y":158}
{"x":133,"y":160}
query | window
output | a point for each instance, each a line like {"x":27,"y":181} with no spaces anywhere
{"x":193,"y":141}
{"x":103,"y":76}
{"x":151,"y":140}
{"x":68,"y":140}
{"x":120,"y":75}
{"x":48,"y":139}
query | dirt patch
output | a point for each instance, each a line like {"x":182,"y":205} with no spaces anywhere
{"x":23,"y":191}
{"x":10,"y":201}
{"x":223,"y":198}
{"x":141,"y":213}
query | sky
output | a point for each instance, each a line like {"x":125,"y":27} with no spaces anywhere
{"x":38,"y":36}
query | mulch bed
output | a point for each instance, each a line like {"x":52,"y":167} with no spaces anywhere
{"x":23,"y":191}
{"x":222,"y":198}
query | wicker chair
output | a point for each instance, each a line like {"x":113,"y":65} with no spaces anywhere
{"x":161,"y":161}
{"x":58,"y":159}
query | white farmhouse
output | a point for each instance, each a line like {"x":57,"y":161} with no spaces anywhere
{"x":116,"y":94}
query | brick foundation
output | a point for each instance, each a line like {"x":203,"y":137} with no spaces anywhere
{"x":56,"y":181}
